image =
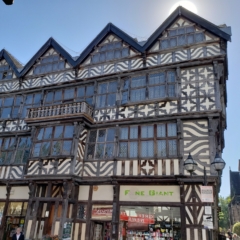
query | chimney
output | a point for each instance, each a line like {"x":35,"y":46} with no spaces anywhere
{"x":239,"y":165}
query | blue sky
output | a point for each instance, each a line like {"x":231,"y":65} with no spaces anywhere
{"x":28,"y":24}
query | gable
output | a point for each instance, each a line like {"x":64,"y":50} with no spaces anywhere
{"x":111,"y":48}
{"x":6,"y":72}
{"x":182,"y":33}
{"x":48,"y":62}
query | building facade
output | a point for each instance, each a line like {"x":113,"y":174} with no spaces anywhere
{"x":95,"y":145}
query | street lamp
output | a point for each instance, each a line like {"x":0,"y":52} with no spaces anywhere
{"x":190,"y":165}
{"x":218,"y":163}
{"x":8,"y":2}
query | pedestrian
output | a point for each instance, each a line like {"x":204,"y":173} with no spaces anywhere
{"x":18,"y":235}
{"x":229,"y":234}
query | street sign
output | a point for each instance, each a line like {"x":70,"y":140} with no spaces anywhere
{"x":208,"y":210}
{"x":206,"y":193}
{"x":208,"y":221}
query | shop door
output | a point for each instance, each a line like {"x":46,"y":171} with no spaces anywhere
{"x":11,"y":225}
{"x":100,"y":230}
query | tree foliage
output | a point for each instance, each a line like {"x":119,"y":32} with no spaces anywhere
{"x":223,"y":215}
{"x":236,"y":228}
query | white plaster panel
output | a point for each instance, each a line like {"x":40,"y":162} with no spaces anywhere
{"x":83,"y":192}
{"x":76,"y":230}
{"x":3,"y":192}
{"x":56,"y":229}
{"x":19,"y":193}
{"x":135,"y":168}
{"x":103,"y":192}
{"x":83,"y":231}
{"x":127,"y":168}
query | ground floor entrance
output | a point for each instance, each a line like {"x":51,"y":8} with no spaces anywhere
{"x":101,"y":230}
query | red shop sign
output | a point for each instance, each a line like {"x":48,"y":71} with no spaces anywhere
{"x":102,"y":212}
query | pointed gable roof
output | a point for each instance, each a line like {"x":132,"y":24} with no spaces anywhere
{"x":110,"y":28}
{"x":12,"y":61}
{"x":180,"y":11}
{"x":51,"y":43}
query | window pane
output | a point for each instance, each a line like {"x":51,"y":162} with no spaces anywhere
{"x":171,"y":90}
{"x":126,"y":84}
{"x":69,"y":93}
{"x":117,"y":54}
{"x":48,"y":133}
{"x":190,"y":29}
{"x":171,"y":76}
{"x":124,"y":97}
{"x":156,"y":78}
{"x":93,"y":136}
{"x":157,"y":92}
{"x":8,"y":102}
{"x":109,"y":150}
{"x":133,"y":151}
{"x":172,"y":32}
{"x":125,"y":52}
{"x":147,"y":132}
{"x":19,"y":155}
{"x":138,"y":81}
{"x":172,"y":129}
{"x":172,"y":145}
{"x":29,"y":99}
{"x":123,"y":148}
{"x":101,"y":101}
{"x":89,"y":90}
{"x":138,"y":94}
{"x":110,"y":135}
{"x":173,"y":42}
{"x":164,"y":44}
{"x":36,"y":149}
{"x":58,"y":96}
{"x":102,"y":88}
{"x":111,"y":99}
{"x":147,"y":149}
{"x":61,"y":65}
{"x":102,"y":57}
{"x":25,"y":155}
{"x":99,"y":150}
{"x":101,"y":135}
{"x":6,"y":112}
{"x":110,"y":55}
{"x":37,"y":99}
{"x":58,"y":132}
{"x":181,"y":31}
{"x":56,"y":148}
{"x":49,"y":97}
{"x":181,"y":40}
{"x":68,"y":133}
{"x":112,"y":87}
{"x":95,"y":58}
{"x":18,"y":101}
{"x":81,"y":92}
{"x":40,"y":134}
{"x":161,"y":130}
{"x":89,"y":101}
{"x":117,"y":45}
{"x":124,"y":133}
{"x":133,"y":132}
{"x":161,"y":148}
{"x":45,"y":149}
{"x":199,"y":37}
{"x":66,"y":147}
{"x":90,"y":151}
{"x":190,"y":39}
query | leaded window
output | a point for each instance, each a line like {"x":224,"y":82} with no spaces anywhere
{"x":9,"y":106}
{"x":23,"y":150}
{"x":148,"y":141}
{"x":106,"y":94}
{"x":101,"y":144}
{"x":53,"y":141}
{"x":146,"y":87}
{"x":31,"y":101}
{"x":182,"y":36}
{"x":49,"y":64}
{"x":110,"y":51}
{"x":7,"y":147}
{"x":69,"y":95}
{"x":5,"y":72}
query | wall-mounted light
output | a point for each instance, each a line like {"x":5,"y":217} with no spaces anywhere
{"x":190,"y":165}
{"x":218,"y":163}
{"x":47,"y":214}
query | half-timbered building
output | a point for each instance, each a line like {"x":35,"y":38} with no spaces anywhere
{"x":95,"y":145}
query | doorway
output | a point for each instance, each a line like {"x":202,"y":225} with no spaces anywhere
{"x":101,"y":230}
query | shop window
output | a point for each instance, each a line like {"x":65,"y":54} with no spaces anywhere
{"x":101,"y":144}
{"x":31,"y":101}
{"x":49,"y":64}
{"x":106,"y":94}
{"x":154,"y":86}
{"x":158,"y":222}
{"x":17,"y":209}
{"x":82,"y":212}
{"x":2,"y":205}
{"x":9,"y":106}
{"x":152,"y":140}
{"x":182,"y":36}
{"x":110,"y":51}
{"x":5,"y":72}
{"x":53,"y":141}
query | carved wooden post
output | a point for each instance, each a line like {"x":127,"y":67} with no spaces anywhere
{"x":115,"y":215}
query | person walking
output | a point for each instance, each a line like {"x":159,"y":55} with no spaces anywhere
{"x":18,"y":235}
{"x":229,"y":233}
